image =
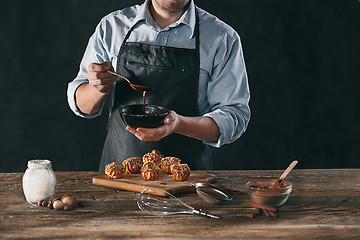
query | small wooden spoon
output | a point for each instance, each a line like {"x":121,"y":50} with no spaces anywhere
{"x":285,"y":173}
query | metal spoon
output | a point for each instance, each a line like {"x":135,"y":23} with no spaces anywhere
{"x":134,"y":86}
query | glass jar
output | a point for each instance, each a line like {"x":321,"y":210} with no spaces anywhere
{"x":38,"y":181}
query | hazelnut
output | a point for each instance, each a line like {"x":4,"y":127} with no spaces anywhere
{"x":70,"y":200}
{"x":58,"y":205}
{"x":67,"y":207}
{"x":53,"y":198}
{"x":44,"y":204}
{"x":40,"y":203}
{"x":64,"y":196}
{"x":50,"y":205}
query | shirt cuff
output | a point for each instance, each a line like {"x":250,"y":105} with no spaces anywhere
{"x":72,"y":87}
{"x":218,"y":117}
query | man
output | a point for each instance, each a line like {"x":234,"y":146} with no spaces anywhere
{"x":192,"y":59}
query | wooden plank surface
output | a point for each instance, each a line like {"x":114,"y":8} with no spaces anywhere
{"x":324,"y":204}
{"x":134,"y":182}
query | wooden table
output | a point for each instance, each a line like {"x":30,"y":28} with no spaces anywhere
{"x":324,"y":204}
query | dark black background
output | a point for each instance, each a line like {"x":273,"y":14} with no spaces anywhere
{"x":302,"y":60}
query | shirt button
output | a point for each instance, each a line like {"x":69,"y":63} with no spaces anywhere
{"x":175,"y":31}
{"x":162,"y":33}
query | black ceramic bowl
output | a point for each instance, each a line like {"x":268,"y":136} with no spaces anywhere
{"x":134,"y":115}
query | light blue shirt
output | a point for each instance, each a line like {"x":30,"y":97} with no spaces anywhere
{"x":223,"y":92}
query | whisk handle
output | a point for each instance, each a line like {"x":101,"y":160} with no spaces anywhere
{"x":204,"y":214}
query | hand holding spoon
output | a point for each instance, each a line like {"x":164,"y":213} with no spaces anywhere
{"x":134,"y":86}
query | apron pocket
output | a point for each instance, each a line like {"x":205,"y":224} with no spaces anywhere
{"x":154,"y":66}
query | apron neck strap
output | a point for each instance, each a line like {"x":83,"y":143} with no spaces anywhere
{"x":197,"y":31}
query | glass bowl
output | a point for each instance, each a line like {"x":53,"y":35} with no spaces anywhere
{"x":135,"y":116}
{"x":259,"y":192}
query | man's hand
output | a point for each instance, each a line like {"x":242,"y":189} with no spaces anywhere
{"x":89,"y":96}
{"x":155,"y":134}
{"x":99,"y":78}
{"x":202,"y":128}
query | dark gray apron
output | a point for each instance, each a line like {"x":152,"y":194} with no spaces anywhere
{"x":174,"y":74}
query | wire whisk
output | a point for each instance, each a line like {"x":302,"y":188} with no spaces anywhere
{"x":161,"y":206}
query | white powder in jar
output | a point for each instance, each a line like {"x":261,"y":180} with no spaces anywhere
{"x":38,"y":181}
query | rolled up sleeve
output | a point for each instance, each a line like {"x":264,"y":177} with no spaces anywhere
{"x":228,"y":92}
{"x":96,"y":52}
{"x":72,"y":87}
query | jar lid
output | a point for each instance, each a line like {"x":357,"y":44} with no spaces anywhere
{"x":39,"y":163}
